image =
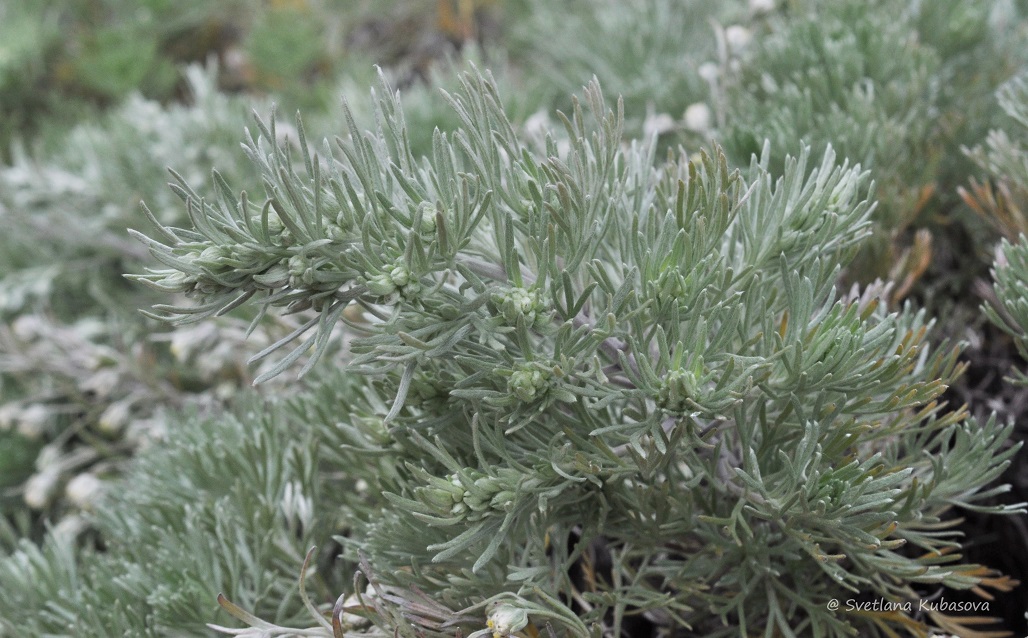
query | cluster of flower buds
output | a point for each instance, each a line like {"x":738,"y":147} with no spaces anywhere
{"x":393,"y":284}
{"x":270,"y":261}
{"x":470,"y":494}
{"x":529,"y":382}
{"x":220,"y":269}
{"x":677,"y":388}
{"x":521,"y":304}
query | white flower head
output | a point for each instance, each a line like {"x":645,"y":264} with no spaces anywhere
{"x":40,"y":489}
{"x":762,"y":6}
{"x":738,"y":37}
{"x":83,"y":490}
{"x":709,"y":71}
{"x":657,"y":124}
{"x":115,"y":417}
{"x":504,"y":620}
{"x":9,"y":414}
{"x":33,"y":421}
{"x":697,"y":117}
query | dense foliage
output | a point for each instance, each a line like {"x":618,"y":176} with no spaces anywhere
{"x":624,"y":371}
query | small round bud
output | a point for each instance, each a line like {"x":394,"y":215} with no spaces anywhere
{"x":41,"y":488}
{"x":676,"y":389}
{"x":527,"y":383}
{"x":381,"y":285}
{"x":738,"y":38}
{"x":83,"y":490}
{"x":709,"y":71}
{"x":697,"y":117}
{"x":115,"y":417}
{"x":33,"y":421}
{"x":399,"y":275}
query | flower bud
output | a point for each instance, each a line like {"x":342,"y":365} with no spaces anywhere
{"x":677,"y":387}
{"x":297,"y":265}
{"x":697,"y":117}
{"x":709,"y":71}
{"x":428,"y":212}
{"x":528,"y":383}
{"x":83,"y":490}
{"x":381,"y":285}
{"x":503,"y":500}
{"x":33,"y":421}
{"x":215,"y":255}
{"x":274,"y":277}
{"x":41,"y":488}
{"x":115,"y":417}
{"x":738,"y":38}
{"x":521,"y":303}
{"x":506,"y":619}
{"x":399,"y":275}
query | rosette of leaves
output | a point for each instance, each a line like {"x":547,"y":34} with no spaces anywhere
{"x":601,"y":396}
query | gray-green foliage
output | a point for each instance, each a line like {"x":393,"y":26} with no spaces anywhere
{"x":95,"y":181}
{"x":574,"y":358}
{"x":78,"y":375}
{"x":1005,"y":158}
{"x":226,"y":502}
{"x":1003,"y":199}
{"x":895,"y":85}
{"x":648,"y":51}
{"x":849,"y":75}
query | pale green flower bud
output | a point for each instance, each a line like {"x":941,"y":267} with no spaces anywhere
{"x":214,"y":255}
{"x":381,"y":285}
{"x":444,"y":495}
{"x":245,"y":254}
{"x":675,"y":389}
{"x":399,"y":275}
{"x":177,"y":282}
{"x":503,"y":500}
{"x":521,"y":303}
{"x":115,"y":417}
{"x":275,"y":277}
{"x":335,"y":232}
{"x":297,"y":265}
{"x":33,"y":421}
{"x":528,"y":383}
{"x":411,"y":290}
{"x":477,"y":502}
{"x":428,"y":212}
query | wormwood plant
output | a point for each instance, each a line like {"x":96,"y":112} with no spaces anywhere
{"x":896,"y":86}
{"x":597,"y":395}
{"x":1004,"y":201}
{"x":78,"y":382}
{"x":187,"y":522}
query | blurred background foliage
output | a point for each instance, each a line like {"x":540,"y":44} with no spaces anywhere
{"x":99,"y":97}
